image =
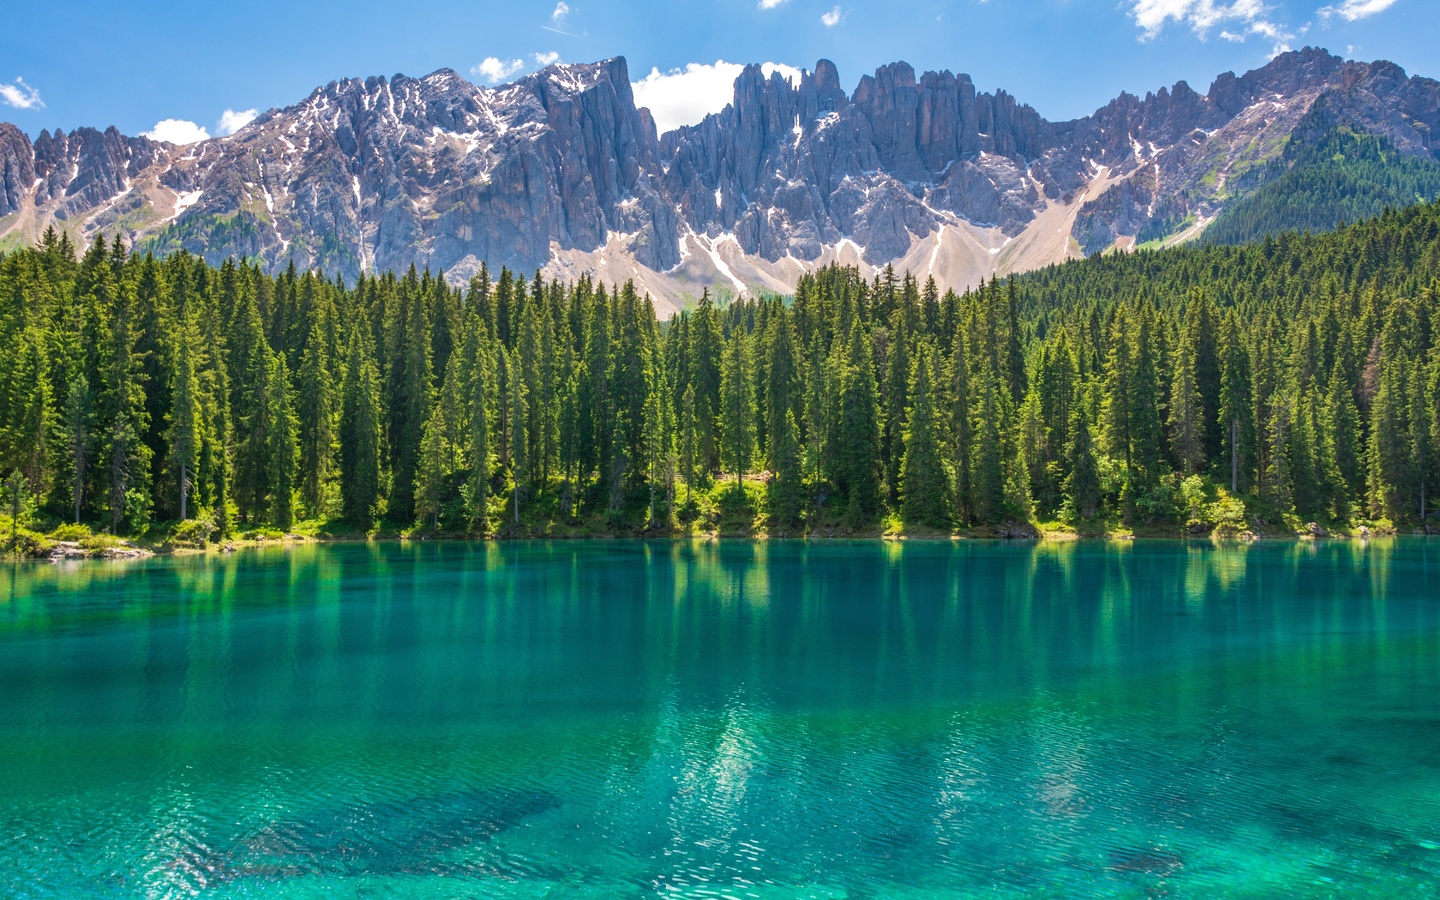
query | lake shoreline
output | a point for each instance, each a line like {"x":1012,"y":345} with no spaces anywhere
{"x":65,"y":551}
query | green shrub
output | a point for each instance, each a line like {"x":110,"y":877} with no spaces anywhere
{"x":22,"y":542}
{"x":195,"y":532}
{"x":70,"y":533}
{"x":100,"y":542}
{"x":1228,"y":514}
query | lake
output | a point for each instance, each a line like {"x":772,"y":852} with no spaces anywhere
{"x":733,"y":719}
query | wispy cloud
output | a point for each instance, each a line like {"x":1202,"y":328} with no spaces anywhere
{"x":685,"y":96}
{"x":1252,"y":18}
{"x":770,"y":4}
{"x":544,"y":59}
{"x":562,"y":9}
{"x":232,"y":121}
{"x":1351,"y":10}
{"x":832,"y":18}
{"x":177,"y":131}
{"x":494,"y":69}
{"x":21,"y":95}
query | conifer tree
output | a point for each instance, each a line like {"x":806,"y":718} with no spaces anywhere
{"x":632,"y":379}
{"x":280,"y":451}
{"x":924,"y":481}
{"x":782,"y":393}
{"x":1342,"y":419}
{"x":1117,"y":407}
{"x":411,"y":400}
{"x":1083,"y":482}
{"x":78,"y":420}
{"x":961,"y":425}
{"x":858,"y":432}
{"x":988,"y":472}
{"x":315,"y":415}
{"x":689,"y":440}
{"x":185,"y":416}
{"x":786,"y":491}
{"x":1187,"y":411}
{"x":479,"y":399}
{"x":124,"y":417}
{"x":594,"y":450}
{"x":430,"y":489}
{"x":1235,"y":407}
{"x":705,"y":351}
{"x":897,"y":380}
{"x":737,"y":408}
{"x":251,"y":396}
{"x":818,"y":461}
{"x":1422,"y":455}
{"x":518,"y":404}
{"x":1147,"y":433}
{"x":359,"y":433}
{"x":30,"y":411}
{"x":1389,"y":461}
{"x":659,"y":452}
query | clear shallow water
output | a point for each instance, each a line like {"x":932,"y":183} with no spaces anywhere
{"x":725,"y":720}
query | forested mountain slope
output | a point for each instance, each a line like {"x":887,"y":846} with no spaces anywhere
{"x":1339,"y":177}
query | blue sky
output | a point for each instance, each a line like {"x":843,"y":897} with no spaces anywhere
{"x":69,"y":63}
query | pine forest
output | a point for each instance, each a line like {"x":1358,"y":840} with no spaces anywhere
{"x":1280,"y":386}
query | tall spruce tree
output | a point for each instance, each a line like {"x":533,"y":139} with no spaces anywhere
{"x":359,"y":432}
{"x":857,"y":462}
{"x":280,"y":449}
{"x":737,"y":409}
{"x":79,"y":420}
{"x":1083,"y":482}
{"x":925,"y":485}
{"x":186,"y":419}
{"x":786,"y":491}
{"x":315,"y":412}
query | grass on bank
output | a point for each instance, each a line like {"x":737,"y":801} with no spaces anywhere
{"x":1195,"y":507}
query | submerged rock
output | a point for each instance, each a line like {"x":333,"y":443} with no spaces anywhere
{"x":1144,"y":861}
{"x":385,"y":837}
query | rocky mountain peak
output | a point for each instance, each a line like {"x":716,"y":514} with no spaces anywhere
{"x":560,"y":170}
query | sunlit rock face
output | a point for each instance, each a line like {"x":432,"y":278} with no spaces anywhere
{"x":561,"y":172}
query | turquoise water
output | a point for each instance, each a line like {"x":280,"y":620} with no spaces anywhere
{"x":725,"y":720}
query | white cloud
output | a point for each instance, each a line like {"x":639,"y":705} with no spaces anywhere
{"x":1199,"y":15}
{"x":494,"y":69}
{"x":232,"y":121}
{"x":1202,"y":15}
{"x":562,"y":9}
{"x":544,"y":59}
{"x":20,"y":95}
{"x":1350,"y":10}
{"x":176,"y":131}
{"x":684,"y":97}
{"x":832,"y":18}
{"x":770,"y":4}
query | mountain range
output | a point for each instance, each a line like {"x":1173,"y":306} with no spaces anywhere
{"x":561,"y":171}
